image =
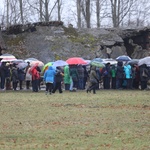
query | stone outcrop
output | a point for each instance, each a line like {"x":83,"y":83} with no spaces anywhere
{"x":50,"y":43}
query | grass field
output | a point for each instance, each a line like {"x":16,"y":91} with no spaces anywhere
{"x":108,"y":120}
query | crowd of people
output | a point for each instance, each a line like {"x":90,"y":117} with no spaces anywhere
{"x":74,"y":77}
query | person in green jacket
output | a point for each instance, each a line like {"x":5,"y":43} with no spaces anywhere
{"x":113,"y":77}
{"x":67,"y":78}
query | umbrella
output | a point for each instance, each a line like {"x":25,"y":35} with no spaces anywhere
{"x":8,"y":59}
{"x":60,"y":63}
{"x":97,"y":64}
{"x":111,"y":61}
{"x":37,"y":63}
{"x":76,"y":61}
{"x":133,"y":62}
{"x":145,"y":60}
{"x":45,"y":67}
{"x":22,"y":65}
{"x":31,"y":59}
{"x":123,"y":58}
{"x":17,"y":61}
{"x":7,"y":56}
{"x":97,"y":59}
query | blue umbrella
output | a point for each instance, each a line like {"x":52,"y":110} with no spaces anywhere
{"x":60,"y":63}
{"x":97,"y":59}
{"x":123,"y":58}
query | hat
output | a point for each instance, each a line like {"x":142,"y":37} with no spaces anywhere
{"x":7,"y":64}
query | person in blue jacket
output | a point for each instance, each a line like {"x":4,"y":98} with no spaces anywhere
{"x":49,"y":79}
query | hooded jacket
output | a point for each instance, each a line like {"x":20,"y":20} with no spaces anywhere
{"x":49,"y":75}
{"x":128,"y":71}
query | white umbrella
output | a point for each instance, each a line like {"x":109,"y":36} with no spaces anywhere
{"x":145,"y":60}
{"x":7,"y":56}
{"x":31,"y":59}
{"x":8,"y":59}
{"x":22,"y":65}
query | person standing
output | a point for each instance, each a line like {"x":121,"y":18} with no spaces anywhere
{"x":21,"y":77}
{"x":49,"y":79}
{"x":58,"y":80}
{"x":93,"y":80}
{"x":67,"y":78}
{"x":106,"y":73}
{"x":113,"y":77}
{"x":3,"y":75}
{"x":144,"y":76}
{"x":14,"y":77}
{"x":28,"y":76}
{"x":81,"y":77}
{"x":74,"y":76}
{"x":35,"y":78}
{"x":119,"y":75}
{"x":128,"y":75}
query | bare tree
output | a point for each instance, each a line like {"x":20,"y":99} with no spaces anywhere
{"x":119,"y":10}
{"x":21,"y":11}
{"x":79,"y":13}
{"x":86,"y":12}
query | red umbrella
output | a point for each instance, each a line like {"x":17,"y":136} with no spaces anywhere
{"x":76,"y":61}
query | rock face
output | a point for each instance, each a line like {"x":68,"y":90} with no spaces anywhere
{"x":50,"y":43}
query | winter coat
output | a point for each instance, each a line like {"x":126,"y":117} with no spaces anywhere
{"x":67,"y":79}
{"x":120,"y":71}
{"x":59,"y":75}
{"x":3,"y":69}
{"x":14,"y":76}
{"x":49,"y":75}
{"x":93,"y":76}
{"x":128,"y":71}
{"x":74,"y":73}
{"x":28,"y":76}
{"x":35,"y":74}
{"x":21,"y":74}
{"x":143,"y":68}
{"x":80,"y":71}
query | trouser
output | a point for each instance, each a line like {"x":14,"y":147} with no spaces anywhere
{"x":49,"y":87}
{"x":57,"y":86}
{"x":67,"y":86}
{"x":35,"y":85}
{"x":15,"y":85}
{"x":2,"y":82}
{"x":27,"y":84}
{"x":113,"y":83}
{"x":92,"y":87}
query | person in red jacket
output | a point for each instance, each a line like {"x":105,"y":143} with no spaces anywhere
{"x":35,"y":78}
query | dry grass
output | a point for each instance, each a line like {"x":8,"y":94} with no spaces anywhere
{"x":114,"y":120}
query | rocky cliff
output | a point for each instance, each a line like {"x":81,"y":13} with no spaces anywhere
{"x":50,"y":43}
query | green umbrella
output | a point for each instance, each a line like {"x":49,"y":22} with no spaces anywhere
{"x":97,"y":64}
{"x":45,"y":67}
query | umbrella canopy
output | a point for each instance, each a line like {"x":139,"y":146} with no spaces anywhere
{"x":123,"y":58}
{"x":60,"y":63}
{"x":37,"y":63}
{"x":31,"y":59}
{"x":76,"y":61}
{"x":98,"y":59}
{"x":133,"y":62}
{"x":45,"y":67}
{"x":111,"y":61}
{"x":17,"y":61}
{"x":22,"y":65}
{"x":8,"y":59}
{"x":145,"y":60}
{"x":97,"y":64}
{"x":7,"y":56}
